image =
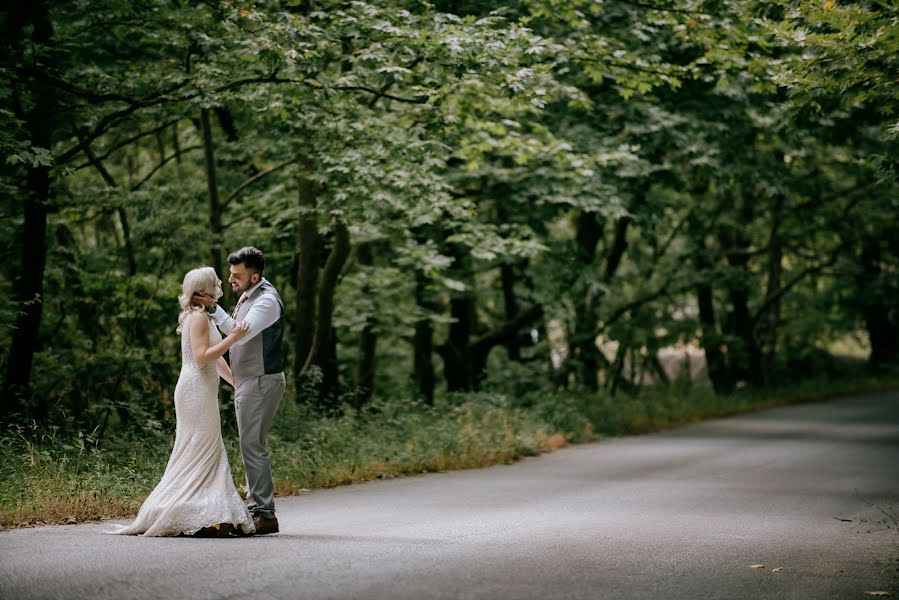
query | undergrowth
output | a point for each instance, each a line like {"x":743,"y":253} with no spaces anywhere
{"x":46,"y":478}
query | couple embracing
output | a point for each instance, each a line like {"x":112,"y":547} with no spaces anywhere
{"x":197,"y":496}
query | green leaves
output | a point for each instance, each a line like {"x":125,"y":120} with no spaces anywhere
{"x":577,"y":158}
{"x":29,"y":155}
{"x":845,"y":50}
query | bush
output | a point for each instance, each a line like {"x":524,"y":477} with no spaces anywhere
{"x":51,"y":476}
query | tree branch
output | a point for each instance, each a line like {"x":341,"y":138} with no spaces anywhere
{"x":125,"y":142}
{"x":253,"y":80}
{"x":505,"y":330}
{"x":163,"y":97}
{"x":340,"y":251}
{"x":780,"y":293}
{"x":382,"y":93}
{"x":626,"y":308}
{"x":663,"y":249}
{"x":254,"y":179}
{"x":175,"y":155}
{"x":834,"y":256}
{"x":379,"y":94}
{"x":98,"y":165}
{"x":236,"y":221}
{"x":629,"y":67}
{"x":123,"y":217}
{"x":87,"y":94}
{"x":619,"y":245}
{"x":646,"y":5}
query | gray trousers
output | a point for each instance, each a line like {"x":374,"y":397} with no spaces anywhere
{"x":256,"y":401}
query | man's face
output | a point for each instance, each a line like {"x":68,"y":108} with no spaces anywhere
{"x":242,"y":279}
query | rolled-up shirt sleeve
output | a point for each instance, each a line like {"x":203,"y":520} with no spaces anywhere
{"x":222,"y":319}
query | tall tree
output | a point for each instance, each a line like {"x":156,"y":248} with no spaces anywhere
{"x":28,"y":43}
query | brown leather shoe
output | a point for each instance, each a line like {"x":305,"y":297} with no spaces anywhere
{"x":265,"y":525}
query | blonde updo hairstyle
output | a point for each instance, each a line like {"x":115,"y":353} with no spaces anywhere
{"x":197,"y":281}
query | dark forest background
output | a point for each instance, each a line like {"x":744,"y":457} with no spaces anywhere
{"x":524,"y":197}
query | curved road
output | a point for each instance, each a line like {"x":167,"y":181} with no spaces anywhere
{"x":679,"y":514}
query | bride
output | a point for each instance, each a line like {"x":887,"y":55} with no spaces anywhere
{"x":196,"y":495}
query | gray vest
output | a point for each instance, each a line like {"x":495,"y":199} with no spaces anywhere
{"x":262,"y":354}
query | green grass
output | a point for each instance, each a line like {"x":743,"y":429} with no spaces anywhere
{"x":661,"y":408}
{"x":47,"y":479}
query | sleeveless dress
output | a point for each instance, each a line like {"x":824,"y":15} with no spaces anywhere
{"x":197,"y":489}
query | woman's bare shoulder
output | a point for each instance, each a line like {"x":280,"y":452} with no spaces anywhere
{"x":196,"y":321}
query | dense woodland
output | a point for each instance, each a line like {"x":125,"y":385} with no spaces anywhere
{"x":521,"y":195}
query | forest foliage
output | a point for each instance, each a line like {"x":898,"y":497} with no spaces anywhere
{"x":513,"y":197}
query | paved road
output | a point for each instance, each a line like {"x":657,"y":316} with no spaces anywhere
{"x":681,"y":514}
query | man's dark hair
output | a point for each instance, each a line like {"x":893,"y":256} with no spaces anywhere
{"x":250,"y":257}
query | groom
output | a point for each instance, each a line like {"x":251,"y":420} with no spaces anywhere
{"x":258,"y":376}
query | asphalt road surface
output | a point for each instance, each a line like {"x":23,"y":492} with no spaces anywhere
{"x":680,"y":514}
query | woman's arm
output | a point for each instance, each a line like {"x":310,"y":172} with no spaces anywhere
{"x":205,"y":354}
{"x":225,"y":371}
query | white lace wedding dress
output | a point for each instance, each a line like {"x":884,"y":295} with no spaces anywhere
{"x":197,"y":489}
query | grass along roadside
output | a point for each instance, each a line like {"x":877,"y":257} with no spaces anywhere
{"x":47,"y":479}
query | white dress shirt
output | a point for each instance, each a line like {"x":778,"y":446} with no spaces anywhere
{"x":262,"y":315}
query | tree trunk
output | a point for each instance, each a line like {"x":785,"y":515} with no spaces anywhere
{"x":215,"y":211}
{"x":423,"y":343}
{"x":619,"y":246}
{"x":771,"y":320}
{"x":479,"y":349}
{"x":716,"y":365}
{"x":120,"y":211}
{"x":716,"y":361}
{"x":30,"y":20}
{"x":656,"y":365}
{"x":323,"y":353}
{"x":458,"y":368}
{"x":368,"y":341}
{"x":883,"y":332}
{"x":226,"y":122}
{"x":588,"y":232}
{"x":745,"y":357}
{"x":82,"y":306}
{"x":308,"y":262}
{"x":330,"y":387}
{"x":510,"y":301}
{"x":746,"y":362}
{"x":176,"y":147}
{"x":464,"y":358}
